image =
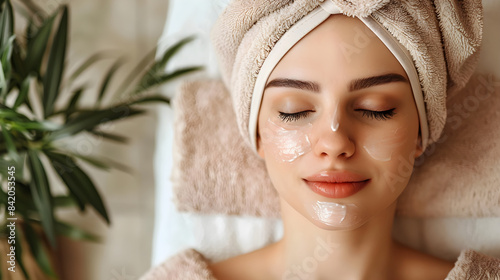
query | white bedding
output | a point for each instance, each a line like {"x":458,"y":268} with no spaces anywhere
{"x":218,"y":236}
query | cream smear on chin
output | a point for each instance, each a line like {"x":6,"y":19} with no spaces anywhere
{"x":335,"y":215}
{"x":286,"y":145}
{"x":330,"y":213}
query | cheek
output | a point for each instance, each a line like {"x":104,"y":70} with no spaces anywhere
{"x":382,"y":146}
{"x":285,"y":145}
{"x":393,"y":154}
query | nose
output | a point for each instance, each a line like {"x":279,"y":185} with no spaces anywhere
{"x":333,"y":143}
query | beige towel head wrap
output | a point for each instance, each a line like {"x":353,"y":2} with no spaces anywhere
{"x":440,"y":39}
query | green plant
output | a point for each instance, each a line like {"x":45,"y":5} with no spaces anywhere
{"x":40,"y":111}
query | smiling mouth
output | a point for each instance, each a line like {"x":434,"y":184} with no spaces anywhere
{"x":336,"y":189}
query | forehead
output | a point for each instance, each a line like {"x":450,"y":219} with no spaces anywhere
{"x":340,"y":48}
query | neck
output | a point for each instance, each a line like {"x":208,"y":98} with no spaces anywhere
{"x":309,"y":252}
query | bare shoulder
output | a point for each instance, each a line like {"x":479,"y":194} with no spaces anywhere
{"x":415,"y":265}
{"x":232,"y":268}
{"x":253,"y":265}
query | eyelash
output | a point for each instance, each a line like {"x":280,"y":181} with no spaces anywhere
{"x":377,"y":115}
{"x":286,"y":117}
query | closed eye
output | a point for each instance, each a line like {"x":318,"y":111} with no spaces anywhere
{"x":292,"y":117}
{"x":378,"y":115}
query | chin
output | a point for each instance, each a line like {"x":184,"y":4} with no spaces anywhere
{"x":331,"y":216}
{"x":337,"y":227}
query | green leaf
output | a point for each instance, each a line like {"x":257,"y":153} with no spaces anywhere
{"x":42,"y":197}
{"x":62,"y":167}
{"x":103,"y":163}
{"x":78,"y":182}
{"x":6,"y":24}
{"x":55,"y":65}
{"x":37,"y":46}
{"x":19,"y":122}
{"x":24,"y":199}
{"x":110,"y":136}
{"x":3,"y":197}
{"x":64,"y":201}
{"x":89,"y":120}
{"x":23,"y":93}
{"x":67,"y":201}
{"x":86,"y":64}
{"x":38,"y":250}
{"x":71,"y":107}
{"x":151,"y":98}
{"x":98,"y":163}
{"x":8,"y":113}
{"x":6,"y":67}
{"x":155,"y":73}
{"x":75,"y":233}
{"x":19,"y":253}
{"x":138,"y":69}
{"x":107,"y":79}
{"x":19,"y":69}
{"x":169,"y":53}
{"x":30,"y":30}
{"x":149,"y":81}
{"x":11,"y":147}
{"x":37,"y":125}
{"x":3,"y":84}
{"x":6,"y":52}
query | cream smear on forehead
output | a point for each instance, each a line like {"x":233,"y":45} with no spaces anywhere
{"x":286,"y":144}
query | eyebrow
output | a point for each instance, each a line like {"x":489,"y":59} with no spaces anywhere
{"x":292,"y":83}
{"x":357,"y":84}
{"x":362,"y":83}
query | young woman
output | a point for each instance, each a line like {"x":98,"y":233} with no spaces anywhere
{"x":332,"y":130}
{"x":334,"y":105}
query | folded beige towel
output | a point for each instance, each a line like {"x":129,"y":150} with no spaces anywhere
{"x":191,"y":265}
{"x":442,"y":36}
{"x":187,"y":265}
{"x":216,"y":172}
{"x":460,"y":175}
{"x":472,"y":265}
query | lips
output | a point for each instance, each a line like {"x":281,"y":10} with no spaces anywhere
{"x":336,"y":184}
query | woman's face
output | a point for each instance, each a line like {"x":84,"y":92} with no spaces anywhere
{"x":338,"y":126}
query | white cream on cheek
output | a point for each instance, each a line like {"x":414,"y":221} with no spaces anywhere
{"x":382,"y":148}
{"x":286,"y":145}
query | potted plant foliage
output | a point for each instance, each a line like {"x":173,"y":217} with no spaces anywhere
{"x":33,"y":124}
